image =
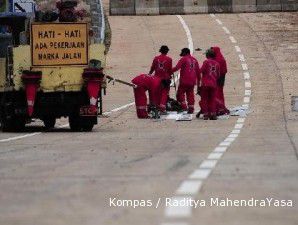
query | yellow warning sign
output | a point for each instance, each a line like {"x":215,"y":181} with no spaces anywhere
{"x":58,"y":44}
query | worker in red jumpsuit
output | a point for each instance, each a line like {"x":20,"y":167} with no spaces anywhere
{"x":220,"y":100}
{"x":207,"y":85}
{"x":162,"y":68}
{"x":189,"y":74}
{"x":144,"y":83}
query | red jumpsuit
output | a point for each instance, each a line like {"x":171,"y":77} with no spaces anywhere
{"x":145,"y":83}
{"x":162,"y":66}
{"x":210,"y":74}
{"x":189,"y":74}
{"x":220,"y":105}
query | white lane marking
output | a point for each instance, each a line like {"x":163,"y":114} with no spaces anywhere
{"x":19,"y":137}
{"x":247,"y":84}
{"x":241,"y":57}
{"x":178,"y":211}
{"x":226,"y":30}
{"x":247,"y":92}
{"x":239,"y":126}
{"x":241,"y":120}
{"x":244,"y":66}
{"x":215,"y":155}
{"x":174,"y":224}
{"x":189,"y":187}
{"x":233,"y":40}
{"x":188,"y":33}
{"x":246,"y":99}
{"x":246,"y":75}
{"x":208,"y":164}
{"x":220,"y":149}
{"x":218,"y":21}
{"x":62,"y":126}
{"x":200,"y":174}
{"x":238,"y":49}
{"x":233,"y":135}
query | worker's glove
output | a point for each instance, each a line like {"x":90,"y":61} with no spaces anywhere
{"x":166,"y":83}
{"x":199,"y":91}
{"x":221,"y":81}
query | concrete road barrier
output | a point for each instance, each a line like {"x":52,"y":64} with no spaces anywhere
{"x":122,"y":7}
{"x":147,"y":7}
{"x":171,"y":6}
{"x":195,"y":6}
{"x":220,"y":6}
{"x":244,"y":6}
{"x":154,"y":7}
{"x":268,"y":5}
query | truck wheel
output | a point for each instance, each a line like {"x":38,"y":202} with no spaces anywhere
{"x":88,"y":127}
{"x":74,"y":123}
{"x":49,"y":123}
{"x":13,"y":125}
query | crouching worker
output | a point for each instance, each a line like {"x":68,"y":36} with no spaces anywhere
{"x":207,"y":85}
{"x":143,"y":84}
{"x":189,"y":74}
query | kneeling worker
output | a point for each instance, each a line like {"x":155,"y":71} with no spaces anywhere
{"x":207,"y":85}
{"x":143,"y":84}
{"x":162,"y":68}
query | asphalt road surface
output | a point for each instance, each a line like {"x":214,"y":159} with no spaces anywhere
{"x":59,"y":177}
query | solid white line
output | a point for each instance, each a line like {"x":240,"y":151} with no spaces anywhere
{"x":208,"y":164}
{"x":189,"y":187}
{"x":226,"y":30}
{"x":220,"y":149}
{"x":215,"y":155}
{"x":62,"y":126}
{"x":233,"y":40}
{"x":178,"y":211}
{"x":19,"y":137}
{"x":238,"y":49}
{"x":188,"y":33}
{"x":200,"y":174}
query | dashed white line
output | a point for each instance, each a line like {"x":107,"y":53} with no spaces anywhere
{"x":208,"y":164}
{"x":189,"y":187}
{"x":236,"y":132}
{"x":218,"y":21}
{"x":246,"y":99}
{"x":239,"y":126}
{"x":238,"y":49}
{"x":220,"y":149}
{"x":200,"y":174}
{"x":241,"y":120}
{"x":178,"y":211}
{"x":244,"y":66}
{"x":247,"y":92}
{"x":226,"y":30}
{"x":246,"y":75}
{"x":247,"y":84}
{"x":241,"y":57}
{"x":233,"y":40}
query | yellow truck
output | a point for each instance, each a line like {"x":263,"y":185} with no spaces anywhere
{"x":48,"y":71}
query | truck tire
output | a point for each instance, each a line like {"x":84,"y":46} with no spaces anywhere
{"x":49,"y":123}
{"x":74,"y":123}
{"x":13,"y":125}
{"x":88,"y":127}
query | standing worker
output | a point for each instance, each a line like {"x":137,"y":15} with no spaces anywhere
{"x":207,"y":85}
{"x":162,"y":68}
{"x":189,"y":74}
{"x":221,"y":109}
{"x":144,"y":83}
